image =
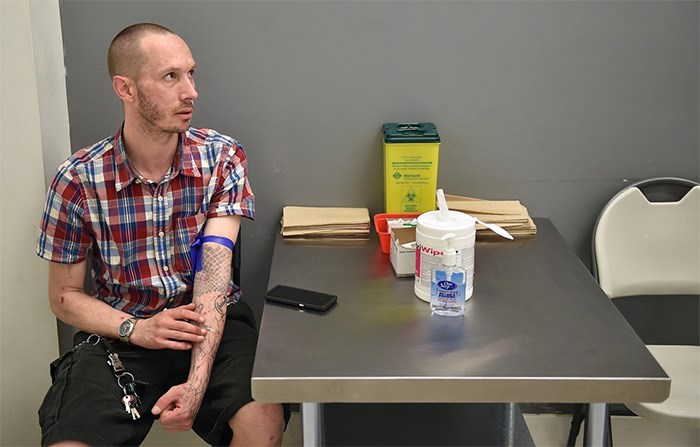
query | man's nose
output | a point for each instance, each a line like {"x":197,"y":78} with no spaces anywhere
{"x":190,"y":92}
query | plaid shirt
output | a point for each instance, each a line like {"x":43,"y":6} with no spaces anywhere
{"x":140,"y":232}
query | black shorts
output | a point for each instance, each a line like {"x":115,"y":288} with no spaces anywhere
{"x":84,"y":402}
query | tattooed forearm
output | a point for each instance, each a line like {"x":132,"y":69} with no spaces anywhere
{"x":209,"y":295}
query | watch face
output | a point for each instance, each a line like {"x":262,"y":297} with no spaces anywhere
{"x":125,"y":328}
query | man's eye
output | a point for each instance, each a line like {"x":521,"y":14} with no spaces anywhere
{"x":170,"y":76}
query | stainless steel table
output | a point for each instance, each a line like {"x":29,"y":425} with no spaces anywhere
{"x":537,"y":329}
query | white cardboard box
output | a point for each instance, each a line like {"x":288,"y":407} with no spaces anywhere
{"x":403,"y":259}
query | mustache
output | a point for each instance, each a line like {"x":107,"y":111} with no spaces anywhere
{"x":187,"y":105}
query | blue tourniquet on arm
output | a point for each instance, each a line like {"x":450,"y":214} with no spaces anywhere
{"x":196,"y":248}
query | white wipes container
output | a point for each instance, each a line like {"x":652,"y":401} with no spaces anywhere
{"x":430,"y":247}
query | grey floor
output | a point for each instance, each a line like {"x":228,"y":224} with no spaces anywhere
{"x":547,"y":429}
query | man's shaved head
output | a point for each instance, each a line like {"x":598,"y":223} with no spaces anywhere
{"x":125,"y":56}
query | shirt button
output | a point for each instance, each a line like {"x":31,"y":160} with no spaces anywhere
{"x":161,"y":234}
{"x":160,"y":198}
{"x":138,"y":180}
{"x":166,"y":268}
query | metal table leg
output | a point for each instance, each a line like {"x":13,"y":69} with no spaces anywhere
{"x":596,"y":425}
{"x":312,"y":424}
{"x":510,"y":424}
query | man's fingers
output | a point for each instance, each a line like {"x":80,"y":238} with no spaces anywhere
{"x":177,"y":345}
{"x":186,"y":313}
{"x":162,"y":403}
{"x":190,"y":326}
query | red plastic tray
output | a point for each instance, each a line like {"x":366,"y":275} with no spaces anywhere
{"x":382,"y":227}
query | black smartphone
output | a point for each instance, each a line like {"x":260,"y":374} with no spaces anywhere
{"x":301,"y":298}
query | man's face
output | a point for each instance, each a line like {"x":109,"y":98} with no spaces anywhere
{"x":165,"y":85}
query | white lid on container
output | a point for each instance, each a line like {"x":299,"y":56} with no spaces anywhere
{"x":433,"y":224}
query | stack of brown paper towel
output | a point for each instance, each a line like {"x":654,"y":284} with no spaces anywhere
{"x":304,"y":222}
{"x":509,"y":214}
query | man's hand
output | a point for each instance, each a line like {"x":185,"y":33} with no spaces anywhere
{"x":176,"y":329}
{"x":178,"y":407}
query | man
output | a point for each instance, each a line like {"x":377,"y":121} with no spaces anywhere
{"x":170,"y":339}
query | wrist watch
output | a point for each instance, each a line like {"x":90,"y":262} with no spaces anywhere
{"x":126,"y":328}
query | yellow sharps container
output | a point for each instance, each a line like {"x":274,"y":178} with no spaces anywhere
{"x":410,"y":167}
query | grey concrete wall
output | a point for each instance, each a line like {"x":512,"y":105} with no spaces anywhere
{"x":555,"y":103}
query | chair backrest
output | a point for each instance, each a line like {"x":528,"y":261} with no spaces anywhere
{"x":642,"y":247}
{"x":236,"y":261}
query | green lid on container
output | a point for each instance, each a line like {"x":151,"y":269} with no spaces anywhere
{"x":410,"y":133}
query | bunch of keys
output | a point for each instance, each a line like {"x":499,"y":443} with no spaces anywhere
{"x":131,"y":400}
{"x":131,"y":403}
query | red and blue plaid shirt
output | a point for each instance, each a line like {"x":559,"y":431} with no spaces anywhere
{"x":140,"y":232}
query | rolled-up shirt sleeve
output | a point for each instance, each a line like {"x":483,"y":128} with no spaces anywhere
{"x":62,"y":236}
{"x":233,"y":193}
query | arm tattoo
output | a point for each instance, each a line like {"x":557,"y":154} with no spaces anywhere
{"x":216,"y":270}
{"x":209,"y":295}
{"x":220,"y":304}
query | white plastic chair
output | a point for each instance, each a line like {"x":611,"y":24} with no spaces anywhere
{"x":653,"y":248}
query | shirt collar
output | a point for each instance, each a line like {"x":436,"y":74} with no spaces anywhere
{"x":125,"y":173}
{"x":188,"y":156}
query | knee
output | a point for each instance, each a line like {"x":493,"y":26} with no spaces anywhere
{"x":258,"y":424}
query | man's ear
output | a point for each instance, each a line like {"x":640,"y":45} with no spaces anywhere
{"x":124,"y":88}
